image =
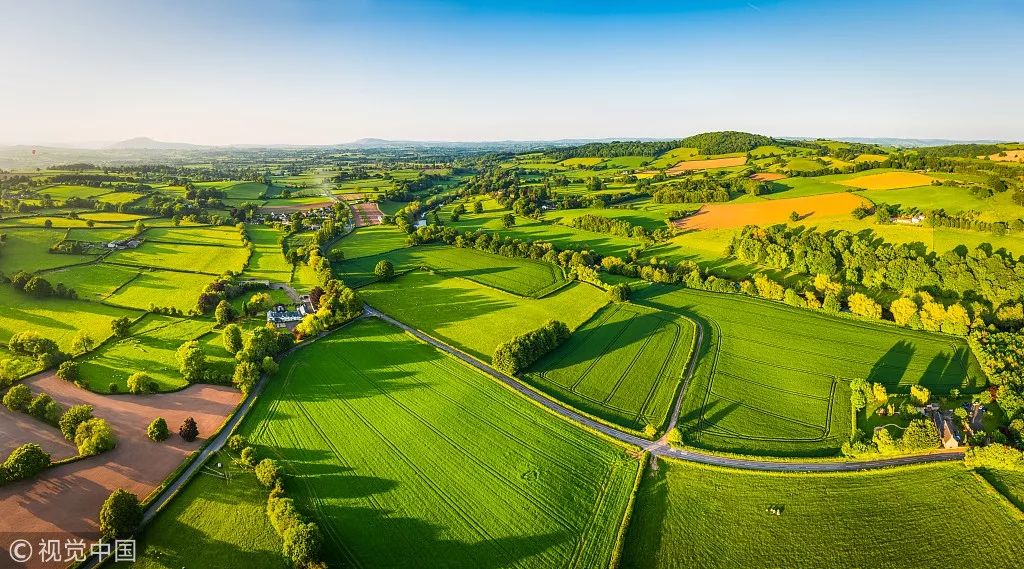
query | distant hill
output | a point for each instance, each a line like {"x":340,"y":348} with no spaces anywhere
{"x":897,"y":142}
{"x":146,"y":143}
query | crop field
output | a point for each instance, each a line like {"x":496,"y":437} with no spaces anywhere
{"x":246,"y":191}
{"x":473,"y":317}
{"x":190,"y":258}
{"x":371,"y":240}
{"x":150,"y":349}
{"x":1008,"y":483}
{"x":889,"y":181}
{"x":367,"y":213}
{"x":774,"y":380}
{"x":624,"y":365}
{"x":435,"y":462}
{"x":689,"y":515}
{"x":219,"y":235}
{"x":50,"y":317}
{"x":583,"y":161}
{"x":171,"y":289}
{"x":627,"y":161}
{"x":524,"y":277}
{"x":95,"y":281}
{"x":768,"y":212}
{"x":267,"y":261}
{"x":65,"y":191}
{"x":112,"y":217}
{"x":646,"y":214}
{"x":220,"y":513}
{"x":120,"y":197}
{"x":28,"y":250}
{"x":673,"y":156}
{"x":708,"y":164}
{"x":1008,"y":156}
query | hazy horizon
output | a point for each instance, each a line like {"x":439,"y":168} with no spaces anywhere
{"x":297,"y":72}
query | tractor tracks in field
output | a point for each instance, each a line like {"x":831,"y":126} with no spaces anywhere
{"x":661,"y":446}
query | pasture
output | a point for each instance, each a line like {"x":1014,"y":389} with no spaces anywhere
{"x":523,"y":277}
{"x":583,"y":161}
{"x":95,"y":281}
{"x":371,"y":240}
{"x":769,"y":212}
{"x":221,"y":513}
{"x":216,"y":235}
{"x":170,"y":289}
{"x":65,"y":191}
{"x":473,"y":317}
{"x":774,"y":380}
{"x":267,"y":261}
{"x":689,"y":515}
{"x":212,"y":260}
{"x":888,"y":181}
{"x":56,"y":318}
{"x":624,"y":365}
{"x":29,"y":250}
{"x":435,"y":463}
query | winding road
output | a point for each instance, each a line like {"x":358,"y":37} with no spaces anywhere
{"x":661,"y":446}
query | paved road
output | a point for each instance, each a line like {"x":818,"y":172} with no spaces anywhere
{"x":661,"y":448}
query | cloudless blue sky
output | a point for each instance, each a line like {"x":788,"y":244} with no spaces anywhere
{"x":318,"y":72}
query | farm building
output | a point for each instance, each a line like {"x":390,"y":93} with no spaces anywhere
{"x":915,"y":219}
{"x":281,"y":317}
{"x":949,"y":435}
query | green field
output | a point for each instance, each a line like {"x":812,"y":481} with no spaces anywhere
{"x":473,"y":317}
{"x":170,"y":289}
{"x":688,"y":515}
{"x":212,"y":260}
{"x":524,"y":277}
{"x":219,"y":235}
{"x":28,"y":250}
{"x":371,"y":240}
{"x":65,"y":191}
{"x":56,"y":318}
{"x":150,"y":349}
{"x":221,"y":513}
{"x":624,"y":365}
{"x":267,"y":261}
{"x":95,"y":281}
{"x":435,"y":463}
{"x":774,"y":380}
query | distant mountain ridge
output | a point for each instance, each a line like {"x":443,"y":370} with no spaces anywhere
{"x":146,"y":143}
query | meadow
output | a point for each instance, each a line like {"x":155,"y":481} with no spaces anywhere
{"x":435,"y":461}
{"x":624,"y":365}
{"x":216,"y":235}
{"x":473,"y":317}
{"x":689,"y":515}
{"x":209,"y":259}
{"x":371,"y":240}
{"x":95,"y":281}
{"x":774,"y":380}
{"x":59,"y":319}
{"x":267,"y":261}
{"x":28,"y":250}
{"x":165,"y":289}
{"x":523,"y":277}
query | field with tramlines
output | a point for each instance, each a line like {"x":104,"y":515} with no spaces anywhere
{"x":688,"y":515}
{"x":773,"y":379}
{"x":524,"y":277}
{"x":405,"y":455}
{"x":624,"y":365}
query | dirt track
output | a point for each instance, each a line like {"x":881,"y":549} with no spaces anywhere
{"x":64,"y":501}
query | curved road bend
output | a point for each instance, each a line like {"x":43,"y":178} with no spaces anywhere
{"x":661,"y":448}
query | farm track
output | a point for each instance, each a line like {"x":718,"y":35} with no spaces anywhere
{"x":661,"y":447}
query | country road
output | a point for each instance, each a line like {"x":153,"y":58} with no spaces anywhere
{"x":661,"y":447}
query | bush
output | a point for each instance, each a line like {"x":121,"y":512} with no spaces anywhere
{"x":269,"y":366}
{"x":232,"y":337}
{"x":268,"y":472}
{"x":619,"y":292}
{"x":384,"y":270}
{"x":44,"y":408}
{"x":120,"y":327}
{"x":120,"y":515}
{"x":246,"y":375}
{"x":139,"y":382}
{"x":157,"y":430}
{"x":74,"y":416}
{"x":237,"y":442}
{"x":113,"y":387}
{"x":68,"y":371}
{"x":282,"y":513}
{"x":189,"y":430}
{"x":94,"y":436}
{"x":302,"y":544}
{"x":18,"y":398}
{"x":248,"y":457}
{"x":518,"y":353}
{"x":24,"y":462}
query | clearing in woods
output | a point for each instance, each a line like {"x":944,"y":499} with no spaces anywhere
{"x":768,"y":212}
{"x":774,"y":380}
{"x":624,"y":365}
{"x":690,"y":515}
{"x":436,"y":461}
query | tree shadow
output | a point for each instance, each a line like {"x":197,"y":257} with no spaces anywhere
{"x":891,"y":368}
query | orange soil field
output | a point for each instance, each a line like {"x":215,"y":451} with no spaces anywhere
{"x":367,"y":213}
{"x":690,"y":165}
{"x":889,"y":181}
{"x":769,"y":212}
{"x":64,"y":501}
{"x":768,"y":176}
{"x":1011,"y":156}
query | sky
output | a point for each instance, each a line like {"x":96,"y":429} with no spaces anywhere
{"x":325,"y":72}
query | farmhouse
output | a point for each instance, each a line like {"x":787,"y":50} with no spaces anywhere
{"x":948,"y":433}
{"x":281,"y":317}
{"x":915,"y":219}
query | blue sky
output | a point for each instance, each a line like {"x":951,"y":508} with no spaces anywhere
{"x":321,"y":72}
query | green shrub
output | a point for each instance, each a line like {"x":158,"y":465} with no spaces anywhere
{"x":237,"y":442}
{"x":139,"y":382}
{"x":44,"y":408}
{"x":18,"y":398}
{"x":157,"y":430}
{"x":68,"y":371}
{"x":24,"y":462}
{"x":302,"y":543}
{"x":94,"y":436}
{"x":268,"y":472}
{"x":248,"y":457}
{"x":517,"y":354}
{"x":74,"y":416}
{"x":384,"y":270}
{"x":120,"y":515}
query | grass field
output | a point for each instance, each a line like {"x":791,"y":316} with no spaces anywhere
{"x":688,"y":515}
{"x":584,"y":161}
{"x":473,"y":317}
{"x":889,"y":181}
{"x":93,"y":282}
{"x":28,"y":250}
{"x":150,"y":349}
{"x":112,"y":217}
{"x":435,"y":464}
{"x":267,"y":262}
{"x":161,"y":288}
{"x":65,"y":191}
{"x":371,"y":240}
{"x":220,"y":513}
{"x":524,"y":277}
{"x":212,"y":260}
{"x":219,"y":235}
{"x":624,"y":365}
{"x":56,"y":318}
{"x":774,"y":380}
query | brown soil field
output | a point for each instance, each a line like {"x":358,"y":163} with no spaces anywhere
{"x":367,"y":213}
{"x":889,"y":181}
{"x":64,"y":501}
{"x":298,"y":207}
{"x":768,"y":176}
{"x":768,"y":212}
{"x":1011,"y":156}
{"x":17,"y":429}
{"x":691,"y":165}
